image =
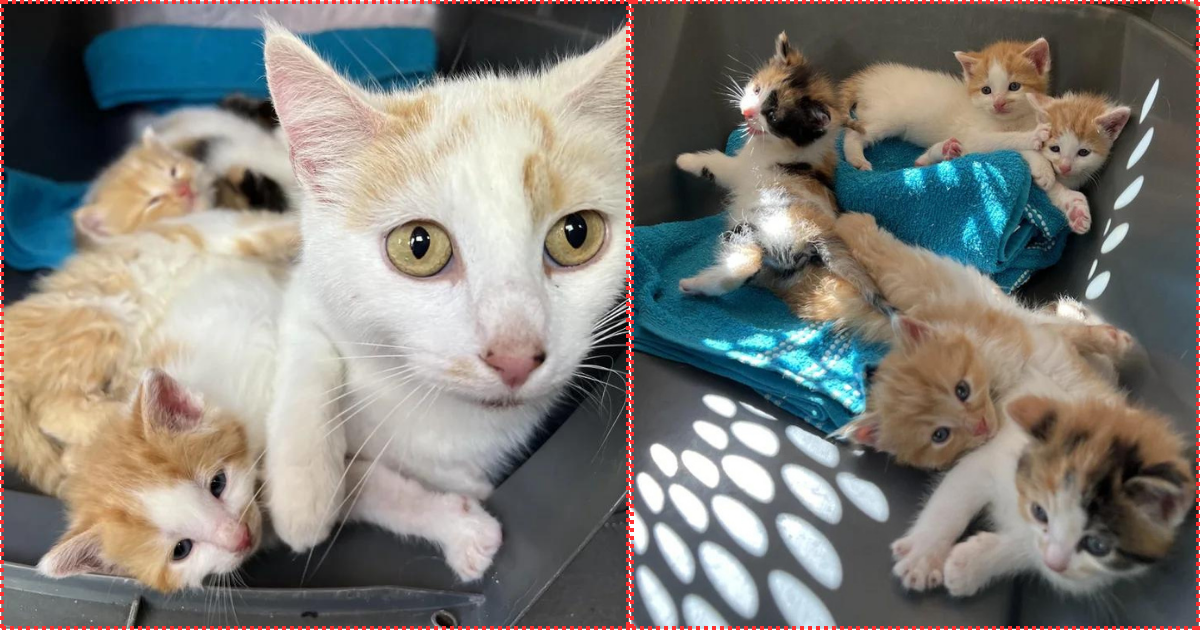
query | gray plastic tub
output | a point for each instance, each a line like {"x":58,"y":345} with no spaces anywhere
{"x":682,"y":55}
{"x":550,"y":505}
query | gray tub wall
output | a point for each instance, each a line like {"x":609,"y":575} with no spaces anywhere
{"x":683,"y":55}
{"x":550,"y":506}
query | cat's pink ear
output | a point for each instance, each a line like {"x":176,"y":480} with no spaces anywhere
{"x":594,"y":84}
{"x":75,"y":553}
{"x":165,"y":405}
{"x":90,"y":223}
{"x":1113,"y":121}
{"x":967,"y":61}
{"x":1041,"y":103}
{"x":1035,"y":414}
{"x":785,"y":53}
{"x":150,"y":139}
{"x":911,"y":332}
{"x":862,"y":430}
{"x":1161,"y":499}
{"x":1038,"y":53}
{"x":326,"y":118}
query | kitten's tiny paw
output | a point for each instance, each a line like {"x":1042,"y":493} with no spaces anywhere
{"x":1122,"y":342}
{"x":951,"y":149}
{"x":862,"y":165}
{"x":1079,"y":214}
{"x":690,"y":162}
{"x":901,"y":547}
{"x":1039,"y":137}
{"x":1043,"y":174}
{"x":962,"y":573}
{"x":701,"y":285}
{"x":472,"y":541}
{"x":919,"y":569}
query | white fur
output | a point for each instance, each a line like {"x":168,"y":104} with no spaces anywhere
{"x":382,"y":368}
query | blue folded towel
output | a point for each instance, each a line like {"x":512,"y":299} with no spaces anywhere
{"x":38,"y":233}
{"x":163,"y":66}
{"x":749,"y":336}
{"x":982,"y":210}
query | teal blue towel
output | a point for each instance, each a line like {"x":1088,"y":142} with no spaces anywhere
{"x":38,"y":233}
{"x":981,"y":210}
{"x":749,"y":336}
{"x":163,"y":66}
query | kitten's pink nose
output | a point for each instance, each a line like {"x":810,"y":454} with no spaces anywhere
{"x":750,"y":113}
{"x":999,"y":106}
{"x":1065,"y":168}
{"x":981,"y":428}
{"x":184,"y":190}
{"x":1056,"y":558}
{"x":514,"y":363}
{"x":235,"y":537}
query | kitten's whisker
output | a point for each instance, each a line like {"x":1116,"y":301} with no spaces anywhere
{"x":369,"y":356}
{"x":373,"y":345}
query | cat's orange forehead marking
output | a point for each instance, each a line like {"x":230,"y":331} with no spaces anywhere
{"x":1077,"y":113}
{"x":1009,"y":55}
{"x":543,"y":187}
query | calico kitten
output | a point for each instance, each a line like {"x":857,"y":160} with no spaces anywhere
{"x":77,"y":346}
{"x":462,"y":254}
{"x":781,"y":206}
{"x":1080,"y":493}
{"x":962,"y":348}
{"x":946,"y":113}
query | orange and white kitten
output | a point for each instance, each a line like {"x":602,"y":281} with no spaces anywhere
{"x":193,"y":159}
{"x":462,"y":255}
{"x":1081,"y":493}
{"x":926,"y":108}
{"x":963,"y":348}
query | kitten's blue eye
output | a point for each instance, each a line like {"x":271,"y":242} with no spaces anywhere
{"x":182,"y":549}
{"x":1084,"y":153}
{"x":1055,"y":148}
{"x":1014,"y":86}
{"x":1095,"y":545}
{"x":987,"y":90}
{"x":217,"y":485}
{"x":1039,"y":514}
{"x":962,"y":391}
{"x":940,"y":435}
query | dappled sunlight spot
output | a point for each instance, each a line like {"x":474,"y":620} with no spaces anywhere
{"x":1149,"y":102}
{"x":758,"y":341}
{"x":1113,"y":240}
{"x":947,"y":174}
{"x":702,"y":468}
{"x":719,"y":345}
{"x":799,"y":605}
{"x":720,"y":405}
{"x":986,"y":191}
{"x":750,"y":477}
{"x":864,"y":495}
{"x":817,"y":449}
{"x":641,"y":538}
{"x":730,"y":578}
{"x":675,"y":552}
{"x":689,"y":506}
{"x":1130,"y":193}
{"x":656,"y":598}
{"x":742,"y":525}
{"x":814,"y":492}
{"x":650,"y":491}
{"x":697,"y":612}
{"x":756,"y":437}
{"x":1141,"y":148}
{"x":711,"y":433}
{"x":1096,"y":287}
{"x":914,"y":178}
{"x":812,"y":550}
{"x":756,"y":411}
{"x":970,"y":231}
{"x":665,"y":459}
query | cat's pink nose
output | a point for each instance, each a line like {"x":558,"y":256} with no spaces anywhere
{"x":236,"y":538}
{"x":1065,"y":168}
{"x":981,"y":428}
{"x":999,"y":106}
{"x":514,"y":364}
{"x":184,"y":190}
{"x":750,"y":113}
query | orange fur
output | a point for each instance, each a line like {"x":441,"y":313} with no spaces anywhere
{"x":1012,"y":56}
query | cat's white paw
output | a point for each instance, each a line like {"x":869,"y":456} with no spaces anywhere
{"x":302,"y":516}
{"x":952,"y":149}
{"x":701,"y":285}
{"x":1043,"y":174}
{"x":1039,"y":137}
{"x":471,"y":541}
{"x":691,"y":162}
{"x":860,"y":164}
{"x":918,"y":566}
{"x":1079,"y":213}
{"x":964,"y":573}
{"x":1121,"y":341}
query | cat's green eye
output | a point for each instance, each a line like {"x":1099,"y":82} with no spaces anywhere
{"x":419,"y":248}
{"x":576,"y":238}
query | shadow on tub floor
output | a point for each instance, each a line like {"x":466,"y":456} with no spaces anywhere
{"x":591,"y":590}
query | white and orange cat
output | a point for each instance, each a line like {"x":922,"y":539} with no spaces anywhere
{"x":462,"y":253}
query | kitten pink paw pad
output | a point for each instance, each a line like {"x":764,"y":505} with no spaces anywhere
{"x":951,"y":149}
{"x":1079,"y":216}
{"x":473,"y":543}
{"x":1120,"y":339}
{"x":962,"y":575}
{"x":920,"y":570}
{"x":1040,"y":137}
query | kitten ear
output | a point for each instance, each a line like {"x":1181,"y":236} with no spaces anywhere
{"x":165,"y":405}
{"x":595,"y":83}
{"x":1113,"y":121}
{"x":75,"y":553}
{"x":326,"y":118}
{"x":150,"y":138}
{"x":1041,"y":104}
{"x":1035,"y":414}
{"x":862,"y":430}
{"x":1159,"y":500}
{"x":90,"y":224}
{"x":1039,"y":54}
{"x":967,"y":61}
{"x":911,"y":332}
{"x":784,"y":52}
